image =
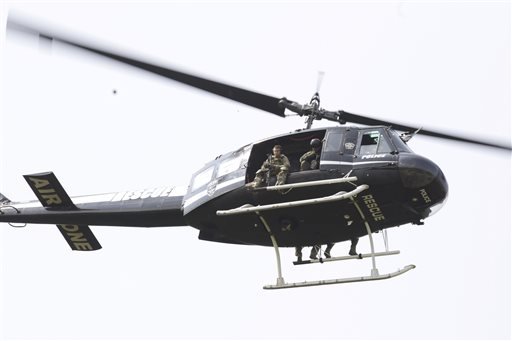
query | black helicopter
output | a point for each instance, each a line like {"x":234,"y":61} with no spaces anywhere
{"x":368,"y":180}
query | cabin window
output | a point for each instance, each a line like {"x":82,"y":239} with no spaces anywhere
{"x":373,"y":142}
{"x":333,"y":142}
{"x":202,"y":178}
{"x":229,"y":165}
{"x":234,"y":162}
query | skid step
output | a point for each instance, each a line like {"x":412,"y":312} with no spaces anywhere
{"x":340,"y":280}
{"x":359,"y":256}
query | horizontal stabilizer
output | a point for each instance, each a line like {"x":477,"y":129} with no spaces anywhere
{"x":52,"y":195}
{"x":49,"y":191}
{"x":79,"y":237}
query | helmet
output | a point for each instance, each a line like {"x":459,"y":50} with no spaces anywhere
{"x":315,"y":143}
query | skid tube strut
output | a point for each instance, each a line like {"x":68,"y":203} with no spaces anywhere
{"x":281,"y":284}
{"x":374,"y":276}
{"x":280,"y":279}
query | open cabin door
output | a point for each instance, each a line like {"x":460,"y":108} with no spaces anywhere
{"x":293,"y":146}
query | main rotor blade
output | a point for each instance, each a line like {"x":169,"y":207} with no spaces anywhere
{"x":250,"y":98}
{"x":354,"y":118}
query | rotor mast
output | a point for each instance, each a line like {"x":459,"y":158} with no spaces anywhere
{"x":312,"y":110}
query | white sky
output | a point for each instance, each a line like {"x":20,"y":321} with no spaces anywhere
{"x":443,"y":66}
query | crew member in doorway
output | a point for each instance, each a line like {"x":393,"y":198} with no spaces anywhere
{"x":311,"y":159}
{"x":276,"y":164}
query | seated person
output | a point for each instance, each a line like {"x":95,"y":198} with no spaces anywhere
{"x":277,"y":165}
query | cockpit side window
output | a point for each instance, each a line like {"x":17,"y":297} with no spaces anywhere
{"x":202,"y":178}
{"x":374,"y":142}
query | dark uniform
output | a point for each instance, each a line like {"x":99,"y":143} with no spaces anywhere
{"x":309,"y":161}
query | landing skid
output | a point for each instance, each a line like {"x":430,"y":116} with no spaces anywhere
{"x":340,"y":280}
{"x":281,"y":284}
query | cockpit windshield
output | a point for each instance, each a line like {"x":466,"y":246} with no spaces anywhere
{"x":397,"y":141}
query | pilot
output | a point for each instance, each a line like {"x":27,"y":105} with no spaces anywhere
{"x":276,"y":164}
{"x":311,"y":159}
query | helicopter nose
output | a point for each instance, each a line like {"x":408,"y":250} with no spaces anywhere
{"x":425,"y":182}
{"x":417,"y":171}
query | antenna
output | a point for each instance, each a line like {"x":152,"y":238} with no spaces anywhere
{"x":319,"y":80}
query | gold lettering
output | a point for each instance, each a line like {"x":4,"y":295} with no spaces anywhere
{"x":52,"y":199}
{"x":77,"y":236}
{"x":373,"y":207}
{"x":44,"y":191}
{"x":83,"y":246}
{"x":38,"y":183}
{"x":69,"y":228}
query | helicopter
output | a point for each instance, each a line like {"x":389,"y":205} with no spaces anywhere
{"x":368,"y":180}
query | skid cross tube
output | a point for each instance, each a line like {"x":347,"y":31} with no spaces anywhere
{"x":260,"y":208}
{"x":308,"y":184}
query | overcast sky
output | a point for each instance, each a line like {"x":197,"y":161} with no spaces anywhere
{"x":442,"y":66}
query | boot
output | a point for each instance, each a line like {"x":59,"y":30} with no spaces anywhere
{"x":298,"y":253}
{"x":327,"y":252}
{"x":255,"y":184}
{"x":353,"y":244}
{"x":314,"y":252}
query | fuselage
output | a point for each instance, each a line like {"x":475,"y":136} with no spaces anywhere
{"x":403,"y":188}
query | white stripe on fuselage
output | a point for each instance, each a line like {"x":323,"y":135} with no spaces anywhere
{"x":159,"y":192}
{"x":327,"y":162}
